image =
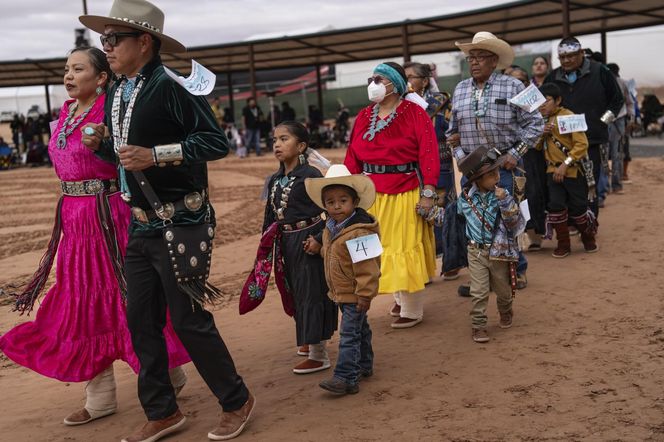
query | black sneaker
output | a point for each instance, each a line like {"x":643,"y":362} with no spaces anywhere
{"x":337,"y":386}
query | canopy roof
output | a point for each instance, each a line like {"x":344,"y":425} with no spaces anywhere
{"x":518,"y":22}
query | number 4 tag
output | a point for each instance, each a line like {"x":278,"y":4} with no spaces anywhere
{"x":364,"y":247}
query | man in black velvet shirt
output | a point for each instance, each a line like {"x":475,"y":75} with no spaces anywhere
{"x":157,"y":127}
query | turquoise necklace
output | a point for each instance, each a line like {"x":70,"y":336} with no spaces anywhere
{"x":377,"y":124}
{"x":485,"y":100}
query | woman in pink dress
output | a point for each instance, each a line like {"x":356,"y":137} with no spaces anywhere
{"x":80,"y":328}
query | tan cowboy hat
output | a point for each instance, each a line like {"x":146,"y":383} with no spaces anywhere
{"x":135,"y":14}
{"x":489,"y":42}
{"x":339,"y":174}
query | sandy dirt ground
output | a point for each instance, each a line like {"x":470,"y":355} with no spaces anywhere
{"x":584,"y":360}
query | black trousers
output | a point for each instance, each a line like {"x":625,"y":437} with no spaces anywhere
{"x":151,"y":289}
{"x":596,"y":157}
{"x":571,"y":194}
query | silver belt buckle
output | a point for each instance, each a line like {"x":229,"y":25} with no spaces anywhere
{"x":193,"y":201}
{"x":166,"y":211}
{"x":139,"y":215}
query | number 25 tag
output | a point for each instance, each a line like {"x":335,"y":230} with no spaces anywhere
{"x":364,"y":247}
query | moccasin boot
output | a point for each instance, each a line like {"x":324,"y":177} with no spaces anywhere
{"x":587,"y":226}
{"x":564,"y":247}
{"x":303,"y":350}
{"x":154,"y":430}
{"x":233,"y":422}
{"x":395,"y":310}
{"x":311,"y":366}
{"x":405,"y":323}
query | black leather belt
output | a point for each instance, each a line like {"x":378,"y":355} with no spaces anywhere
{"x":88,"y":187}
{"x":390,"y":168}
{"x":299,"y":225}
{"x":191,"y":202}
{"x":479,"y":245}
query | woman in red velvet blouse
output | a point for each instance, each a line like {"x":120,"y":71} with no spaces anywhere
{"x":393,"y":142}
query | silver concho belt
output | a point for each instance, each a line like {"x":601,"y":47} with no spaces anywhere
{"x":88,"y":187}
{"x":192,"y":201}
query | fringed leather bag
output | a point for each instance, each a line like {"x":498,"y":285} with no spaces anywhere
{"x":189,"y":249}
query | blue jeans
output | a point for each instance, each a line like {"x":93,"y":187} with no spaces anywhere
{"x":253,"y":140}
{"x":355,"y":352}
{"x":507,"y":183}
{"x":616,"y":151}
{"x":445,"y":181}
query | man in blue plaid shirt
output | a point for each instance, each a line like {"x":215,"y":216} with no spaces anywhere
{"x":482,"y":114}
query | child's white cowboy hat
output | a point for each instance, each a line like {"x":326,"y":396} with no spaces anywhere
{"x":339,"y":174}
{"x":489,"y":42}
{"x":136,"y":14}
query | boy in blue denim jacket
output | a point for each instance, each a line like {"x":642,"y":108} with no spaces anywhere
{"x":493,"y":222}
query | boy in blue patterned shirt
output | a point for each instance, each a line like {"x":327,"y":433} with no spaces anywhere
{"x":493,"y":222}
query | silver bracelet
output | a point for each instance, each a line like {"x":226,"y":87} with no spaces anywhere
{"x":569,"y":161}
{"x":168,"y":153}
{"x":521,"y":147}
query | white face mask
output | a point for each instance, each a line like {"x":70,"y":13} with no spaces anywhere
{"x":377,"y":92}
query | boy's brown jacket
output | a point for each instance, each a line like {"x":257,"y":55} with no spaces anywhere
{"x":348,"y":280}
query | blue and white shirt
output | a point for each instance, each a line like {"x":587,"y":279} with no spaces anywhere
{"x":505,"y":125}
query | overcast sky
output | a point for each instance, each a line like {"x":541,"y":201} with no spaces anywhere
{"x":45,"y":28}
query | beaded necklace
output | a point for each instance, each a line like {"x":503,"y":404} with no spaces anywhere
{"x":484,"y":93}
{"x":66,"y":129}
{"x":377,"y":124}
{"x":286,"y":184}
{"x":121,"y":131}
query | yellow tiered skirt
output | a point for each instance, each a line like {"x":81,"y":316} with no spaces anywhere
{"x":409,"y":252}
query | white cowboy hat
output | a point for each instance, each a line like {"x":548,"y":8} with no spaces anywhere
{"x":339,"y":174}
{"x":489,"y":42}
{"x":135,"y":14}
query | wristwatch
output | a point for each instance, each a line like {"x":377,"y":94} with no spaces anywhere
{"x":427,"y":193}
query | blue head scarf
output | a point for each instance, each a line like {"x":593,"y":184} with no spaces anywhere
{"x":393,"y":75}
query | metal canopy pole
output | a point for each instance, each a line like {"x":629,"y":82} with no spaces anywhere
{"x":603,"y":40}
{"x":319,"y":89}
{"x":566,"y":27}
{"x":231,"y":102}
{"x":404,"y":43}
{"x":48,"y":101}
{"x":252,"y":71}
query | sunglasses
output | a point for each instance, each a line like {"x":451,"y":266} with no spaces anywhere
{"x":375,"y":79}
{"x":112,"y":38}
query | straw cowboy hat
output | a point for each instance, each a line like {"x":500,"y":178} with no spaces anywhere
{"x":135,"y":14}
{"x":481,"y":161}
{"x":489,"y":42}
{"x":339,"y":174}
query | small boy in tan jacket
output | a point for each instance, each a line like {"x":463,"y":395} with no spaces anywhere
{"x":352,"y":279}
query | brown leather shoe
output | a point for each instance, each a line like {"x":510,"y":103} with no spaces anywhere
{"x":83,"y":416}
{"x":506,"y":319}
{"x":480,"y":335}
{"x":233,"y":422}
{"x":155,"y":430}
{"x":311,"y":366}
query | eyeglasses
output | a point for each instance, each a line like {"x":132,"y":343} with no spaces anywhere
{"x":375,"y":79}
{"x":479,"y":58}
{"x":111,"y":39}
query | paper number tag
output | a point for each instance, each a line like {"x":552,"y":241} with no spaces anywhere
{"x":364,"y":247}
{"x":200,"y":82}
{"x":525,"y":210}
{"x":528,"y":99}
{"x":572,"y":123}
